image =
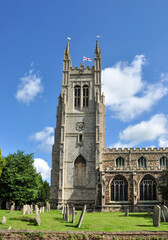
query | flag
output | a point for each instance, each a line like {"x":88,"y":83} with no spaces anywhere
{"x":87,"y":59}
{"x":68,"y":38}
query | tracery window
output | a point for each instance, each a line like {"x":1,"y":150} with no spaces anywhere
{"x":119,"y":189}
{"x":119,"y":162}
{"x":85,"y":96}
{"x":148,"y":188}
{"x":77,"y":96}
{"x":142,"y":162}
{"x":80,"y":171}
{"x":163,"y":162}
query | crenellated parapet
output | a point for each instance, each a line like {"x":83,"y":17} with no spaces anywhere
{"x":135,"y":150}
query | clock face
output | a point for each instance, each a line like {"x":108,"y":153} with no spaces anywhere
{"x":80,"y":126}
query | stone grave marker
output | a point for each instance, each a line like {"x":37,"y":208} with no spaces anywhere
{"x":64,"y":215}
{"x":24,"y":209}
{"x":162,"y":217}
{"x":67,"y":213}
{"x":149,"y":212}
{"x":38,"y":219}
{"x":165,"y":212}
{"x":36,"y":209}
{"x":126,"y":211}
{"x":156,"y":216}
{"x":3,"y":220}
{"x":73,"y":215}
{"x":81,"y":217}
{"x":62,"y":209}
{"x":12,"y":208}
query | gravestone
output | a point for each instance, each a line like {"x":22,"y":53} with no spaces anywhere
{"x":31,"y":208}
{"x":162,"y":217}
{"x":62,"y":209}
{"x":36,"y":209}
{"x":47,"y":207}
{"x":64,"y":215}
{"x":67,"y":213}
{"x":24,"y":209}
{"x":28,"y":209}
{"x":73,"y":215}
{"x":149,"y":212}
{"x":3,"y":220}
{"x":156,"y":216}
{"x":81,"y":217}
{"x":12,"y":208}
{"x":38,"y":219}
{"x":165,"y":212}
{"x":126,"y":212}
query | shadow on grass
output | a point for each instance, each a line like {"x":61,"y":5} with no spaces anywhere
{"x":139,"y":215}
{"x":31,"y":221}
{"x":143,"y":225}
{"x":60,"y":220}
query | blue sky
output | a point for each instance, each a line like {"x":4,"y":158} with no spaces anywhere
{"x":134,"y":44}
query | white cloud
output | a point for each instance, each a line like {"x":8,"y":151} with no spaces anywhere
{"x":29,"y":87}
{"x":45,"y":139}
{"x":154,"y":129}
{"x":127,"y":95}
{"x":42,"y":167}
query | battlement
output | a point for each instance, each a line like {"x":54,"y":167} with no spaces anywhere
{"x":82,"y":68}
{"x":134,"y":150}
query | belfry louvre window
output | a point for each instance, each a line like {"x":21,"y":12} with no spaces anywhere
{"x":77,"y":96}
{"x":148,"y":188}
{"x":85,"y":96}
{"x":142,"y":162}
{"x":119,"y":189}
{"x":163,"y":162}
{"x":119,"y":162}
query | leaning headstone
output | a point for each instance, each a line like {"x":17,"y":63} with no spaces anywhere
{"x":73,"y":215}
{"x":67,"y":213}
{"x":162,"y":216}
{"x":165,"y":212}
{"x":81,"y":217}
{"x":149,"y":212}
{"x":38,"y":219}
{"x":3,"y":220}
{"x":31,"y":208}
{"x":126,"y":212}
{"x":156,"y":216}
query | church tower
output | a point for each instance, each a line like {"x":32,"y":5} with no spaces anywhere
{"x":79,"y":136}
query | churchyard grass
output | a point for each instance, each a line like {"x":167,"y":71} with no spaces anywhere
{"x":98,"y":221}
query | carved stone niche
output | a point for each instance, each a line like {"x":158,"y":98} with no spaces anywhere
{"x":80,"y":126}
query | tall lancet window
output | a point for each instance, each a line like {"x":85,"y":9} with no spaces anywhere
{"x":80,"y":172}
{"x":85,"y":96}
{"x":77,"y":96}
{"x":119,"y":189}
{"x":148,"y":188}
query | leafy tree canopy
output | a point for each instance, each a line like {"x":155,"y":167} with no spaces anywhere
{"x":19,"y":181}
{"x":2,"y":163}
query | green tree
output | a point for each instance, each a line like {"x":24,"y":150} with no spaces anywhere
{"x":19,"y":181}
{"x":44,"y":192}
{"x":163,"y":185}
{"x":2,"y":163}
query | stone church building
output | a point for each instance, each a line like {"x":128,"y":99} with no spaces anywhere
{"x":84,"y":171}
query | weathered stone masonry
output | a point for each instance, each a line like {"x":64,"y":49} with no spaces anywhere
{"x":83,"y":170}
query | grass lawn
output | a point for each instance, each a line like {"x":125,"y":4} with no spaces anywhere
{"x":99,"y":221}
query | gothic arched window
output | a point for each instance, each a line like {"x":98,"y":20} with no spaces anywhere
{"x":80,"y":171}
{"x":142,"y":162}
{"x":148,"y":188}
{"x":163,"y":162}
{"x":119,"y":162}
{"x":77,"y":96}
{"x":119,"y":189}
{"x":85,"y":96}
